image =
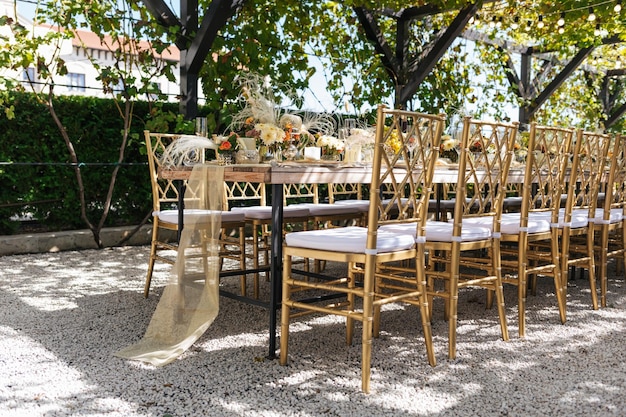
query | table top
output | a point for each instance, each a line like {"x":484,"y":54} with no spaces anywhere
{"x":315,"y":173}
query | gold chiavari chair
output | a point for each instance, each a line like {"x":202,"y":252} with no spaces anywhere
{"x":609,"y":221}
{"x":252,"y":196}
{"x":258,"y":217}
{"x":484,"y":162}
{"x":530,"y":238}
{"x":584,"y":182}
{"x":165,"y":194}
{"x":363,"y":248}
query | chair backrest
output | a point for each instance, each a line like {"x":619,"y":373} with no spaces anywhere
{"x":244,"y":194}
{"x":300,"y":193}
{"x":615,"y":196}
{"x":546,"y":166}
{"x":163,"y":191}
{"x":401,"y":169}
{"x":486,"y":152}
{"x":343,"y":191}
{"x":588,"y":163}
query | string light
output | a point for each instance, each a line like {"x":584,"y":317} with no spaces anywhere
{"x":597,"y":32}
{"x":561,"y":21}
{"x":492,"y":24}
{"x":540,"y":23}
{"x":528,"y":24}
{"x":561,"y":30}
{"x":515,"y":23}
{"x":618,"y":6}
{"x":592,"y":15}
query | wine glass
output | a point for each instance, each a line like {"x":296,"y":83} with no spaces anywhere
{"x":201,"y":127}
{"x":411,"y":141}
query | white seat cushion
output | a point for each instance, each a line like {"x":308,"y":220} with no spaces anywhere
{"x":616,"y":215}
{"x":509,"y":223}
{"x":349,"y":239}
{"x":359,"y":205}
{"x":441,"y":231}
{"x":578,"y":219}
{"x":328,"y":209}
{"x":265,"y":212}
{"x":171,"y":216}
{"x":387,"y":201}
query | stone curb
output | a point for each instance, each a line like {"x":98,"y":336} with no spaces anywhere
{"x":71,"y":240}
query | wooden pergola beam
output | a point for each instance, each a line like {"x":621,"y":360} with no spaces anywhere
{"x":439,"y":48}
{"x":571,"y":66}
{"x":610,"y":121}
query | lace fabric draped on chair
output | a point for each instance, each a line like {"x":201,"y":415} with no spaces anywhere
{"x":190,"y":301}
{"x":162,"y":153}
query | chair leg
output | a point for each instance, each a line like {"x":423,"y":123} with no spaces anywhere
{"x":377,"y":309}
{"x":453,"y":301}
{"x":561,"y":278}
{"x":242,"y":259}
{"x":602,"y":267}
{"x":255,"y":257}
{"x":521,"y":301}
{"x":500,"y":301}
{"x":285,"y":312}
{"x":366,"y":347}
{"x":592,"y":270}
{"x":425,"y":314}
{"x":350,"y":297}
{"x":153,"y":250}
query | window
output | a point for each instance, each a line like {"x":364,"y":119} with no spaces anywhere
{"x":75,"y":81}
{"x":28,"y":75}
{"x":154,"y":90}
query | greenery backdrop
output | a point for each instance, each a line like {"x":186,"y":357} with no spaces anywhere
{"x":37,"y":178}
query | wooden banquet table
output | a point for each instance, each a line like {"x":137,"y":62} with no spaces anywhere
{"x":298,"y":173}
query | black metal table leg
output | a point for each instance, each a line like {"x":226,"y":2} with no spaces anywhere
{"x":276,"y":264}
{"x":181,"y":207}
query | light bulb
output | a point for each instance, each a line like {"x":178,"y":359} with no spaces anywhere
{"x":528,"y":25}
{"x":515,"y":23}
{"x":492,"y":24}
{"x":618,"y":6}
{"x":597,"y":32}
{"x":592,"y":15}
{"x":540,"y":23}
{"x":561,"y":30}
{"x":561,"y":20}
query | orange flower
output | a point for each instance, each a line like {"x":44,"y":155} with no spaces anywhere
{"x":225,"y":146}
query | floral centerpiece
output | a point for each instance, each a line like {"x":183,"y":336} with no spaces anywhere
{"x":393,"y":144}
{"x":227,"y":144}
{"x":476,"y":146}
{"x":263,"y":119}
{"x":521,"y":147}
{"x":331,"y":146}
{"x":226,"y":147}
{"x":448,"y":148}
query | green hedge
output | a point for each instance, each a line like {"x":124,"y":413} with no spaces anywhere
{"x":37,"y":179}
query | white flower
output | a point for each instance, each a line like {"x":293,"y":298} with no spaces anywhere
{"x":448,"y":143}
{"x":270,"y":133}
{"x":330,"y":142}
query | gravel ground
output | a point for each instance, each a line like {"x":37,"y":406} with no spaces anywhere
{"x":64,"y":314}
